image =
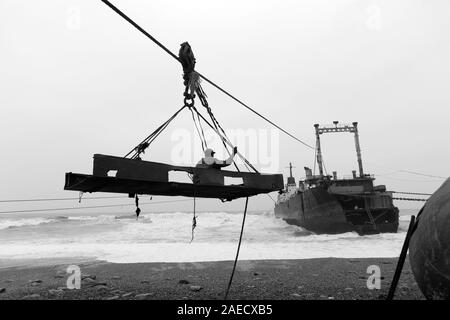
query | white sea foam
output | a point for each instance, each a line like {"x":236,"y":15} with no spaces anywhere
{"x":405,"y":218}
{"x":15,"y":223}
{"x":166,"y":237}
{"x":319,"y":247}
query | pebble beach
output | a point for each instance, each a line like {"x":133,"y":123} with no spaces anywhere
{"x":305,"y":279}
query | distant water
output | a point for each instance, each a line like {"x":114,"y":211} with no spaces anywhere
{"x":165,"y":237}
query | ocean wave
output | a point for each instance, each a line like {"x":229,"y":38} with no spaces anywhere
{"x":167,"y":237}
{"x":404,"y":218}
{"x":101,"y":218}
{"x":213,"y":251}
{"x":16,"y":223}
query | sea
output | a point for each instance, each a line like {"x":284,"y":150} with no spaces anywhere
{"x":167,"y":237}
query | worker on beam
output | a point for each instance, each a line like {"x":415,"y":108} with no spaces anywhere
{"x":210,"y":162}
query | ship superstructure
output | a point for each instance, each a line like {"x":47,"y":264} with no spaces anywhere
{"x":328,"y":204}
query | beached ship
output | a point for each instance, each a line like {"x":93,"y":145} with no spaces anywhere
{"x":327,"y":204}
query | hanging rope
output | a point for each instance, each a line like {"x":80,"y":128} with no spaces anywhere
{"x":238,"y":249}
{"x":138,"y":210}
{"x":194,"y":222}
{"x":134,"y":24}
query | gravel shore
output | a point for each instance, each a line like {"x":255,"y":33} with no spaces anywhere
{"x":310,"y":279}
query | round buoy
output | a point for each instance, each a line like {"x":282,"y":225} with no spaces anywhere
{"x":429,"y":248}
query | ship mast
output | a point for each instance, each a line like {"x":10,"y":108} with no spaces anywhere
{"x":319,"y":150}
{"x":290,"y":179}
{"x":358,"y":149}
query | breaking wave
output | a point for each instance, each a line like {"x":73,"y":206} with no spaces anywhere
{"x":166,"y":237}
{"x":16,"y":223}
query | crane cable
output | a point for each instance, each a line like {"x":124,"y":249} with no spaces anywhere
{"x":90,"y":207}
{"x":409,"y":199}
{"x":134,"y":24}
{"x":413,"y":193}
{"x":237,"y":251}
{"x":57,"y":199}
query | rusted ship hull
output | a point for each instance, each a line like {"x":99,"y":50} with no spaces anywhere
{"x":319,"y":211}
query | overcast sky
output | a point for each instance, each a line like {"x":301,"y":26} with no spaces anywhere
{"x":76,"y":79}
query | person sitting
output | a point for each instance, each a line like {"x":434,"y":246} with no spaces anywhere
{"x":210,"y":162}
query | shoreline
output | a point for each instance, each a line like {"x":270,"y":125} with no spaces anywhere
{"x":306,"y":279}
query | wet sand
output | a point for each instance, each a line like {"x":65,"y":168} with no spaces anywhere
{"x":309,"y":279}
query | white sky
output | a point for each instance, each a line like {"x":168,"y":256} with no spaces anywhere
{"x":74,"y":85}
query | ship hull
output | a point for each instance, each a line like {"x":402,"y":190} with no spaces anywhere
{"x":319,"y":211}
